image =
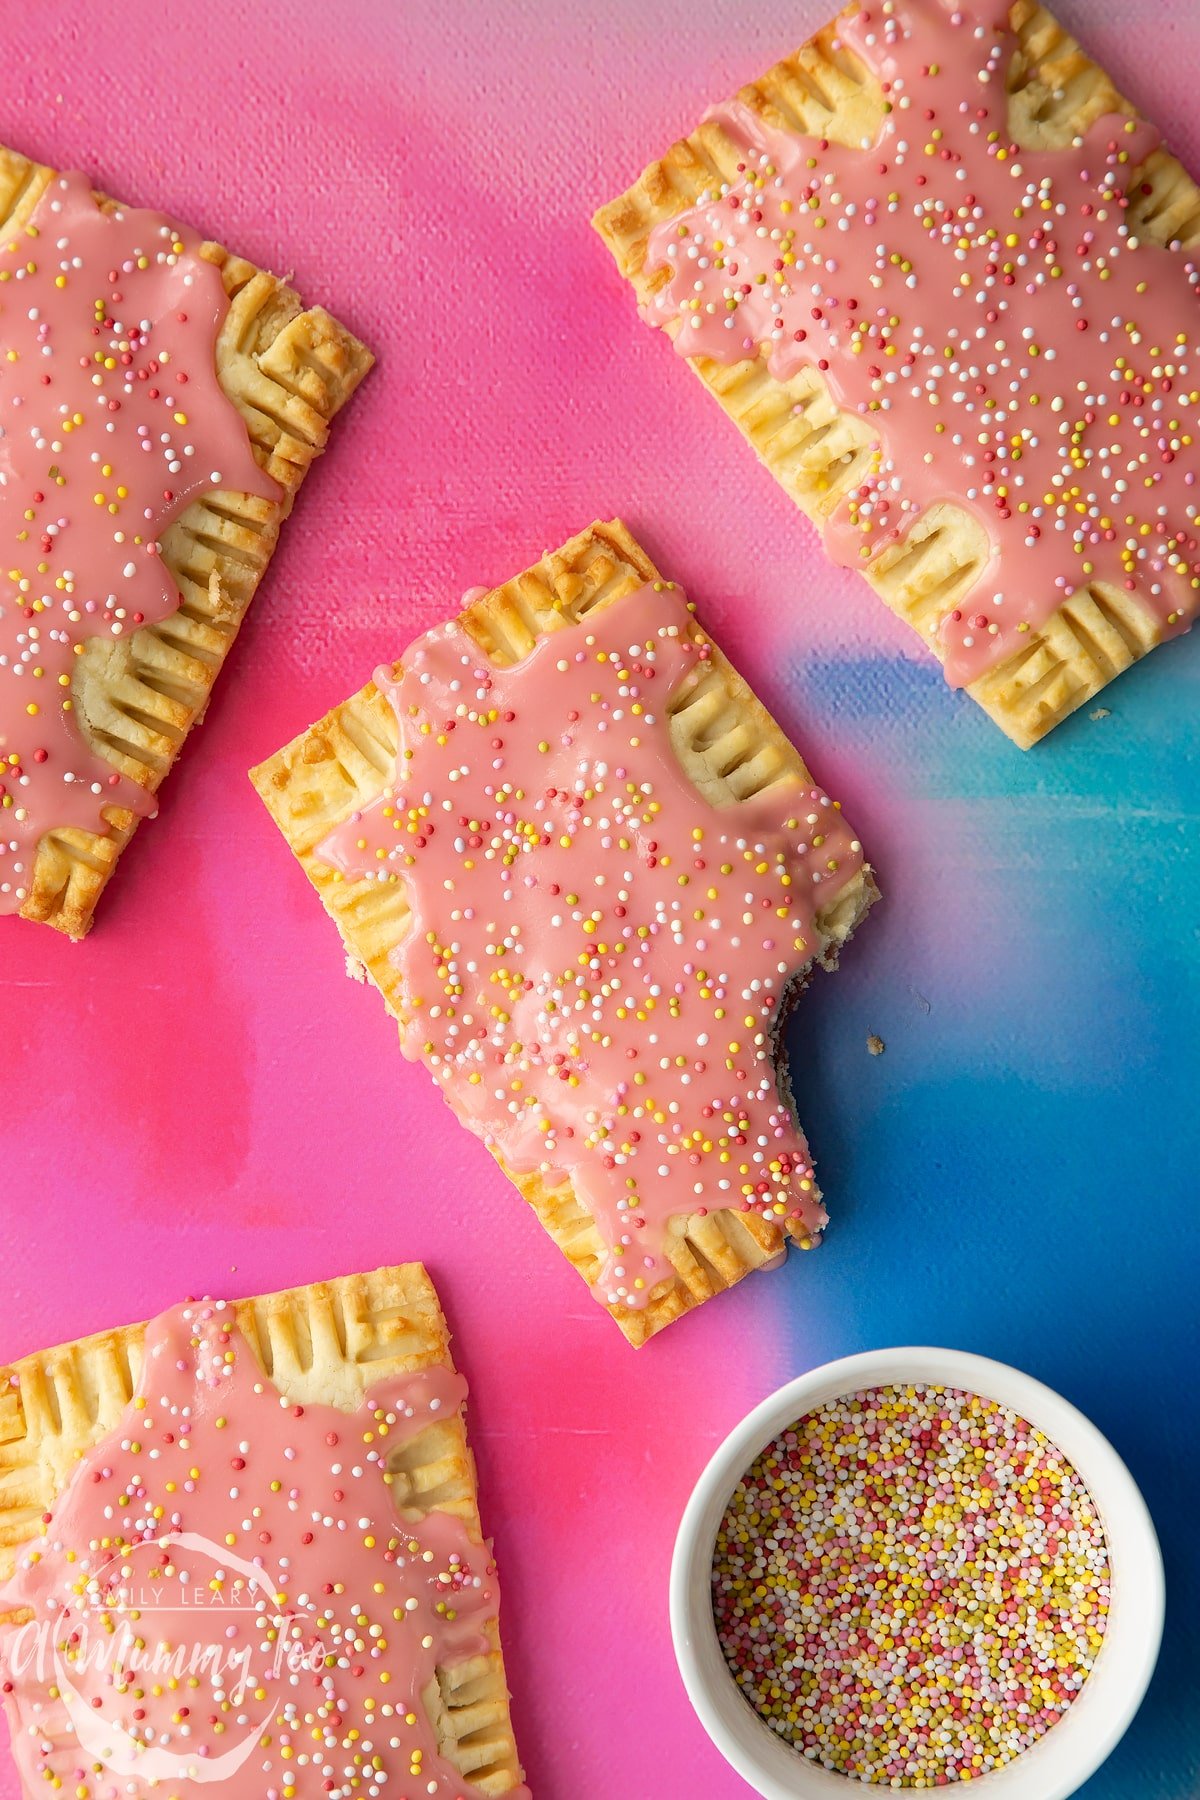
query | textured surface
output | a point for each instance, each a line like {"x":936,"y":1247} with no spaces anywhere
{"x":198,"y":1086}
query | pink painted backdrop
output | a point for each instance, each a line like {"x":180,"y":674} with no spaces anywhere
{"x":197,"y":1099}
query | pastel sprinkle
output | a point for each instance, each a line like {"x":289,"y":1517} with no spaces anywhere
{"x":911,"y":1585}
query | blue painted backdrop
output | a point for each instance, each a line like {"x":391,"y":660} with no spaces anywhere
{"x":1017,"y":1173}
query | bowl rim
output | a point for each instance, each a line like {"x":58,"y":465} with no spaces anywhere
{"x":1054,"y":1767}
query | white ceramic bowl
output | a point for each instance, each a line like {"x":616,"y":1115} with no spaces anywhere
{"x":1059,"y":1763}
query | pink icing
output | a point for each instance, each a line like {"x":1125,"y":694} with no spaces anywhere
{"x":221,"y":1521}
{"x":598,"y":955}
{"x":986,"y":310}
{"x":111,"y":421}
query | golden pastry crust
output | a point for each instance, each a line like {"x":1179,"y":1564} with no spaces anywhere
{"x":288,"y":369}
{"x":327,"y":1343}
{"x":817,"y":452}
{"x":728,"y":744}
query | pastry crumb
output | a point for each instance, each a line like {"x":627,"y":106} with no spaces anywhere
{"x":876,"y":1045}
{"x":354,"y":969}
{"x":1100,"y":712}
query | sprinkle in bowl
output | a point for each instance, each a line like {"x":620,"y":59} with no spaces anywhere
{"x":1099,"y":1710}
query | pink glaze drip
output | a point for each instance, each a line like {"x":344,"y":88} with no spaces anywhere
{"x":111,"y":421}
{"x":330,"y":1614}
{"x":984,"y":308}
{"x":598,"y":955}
